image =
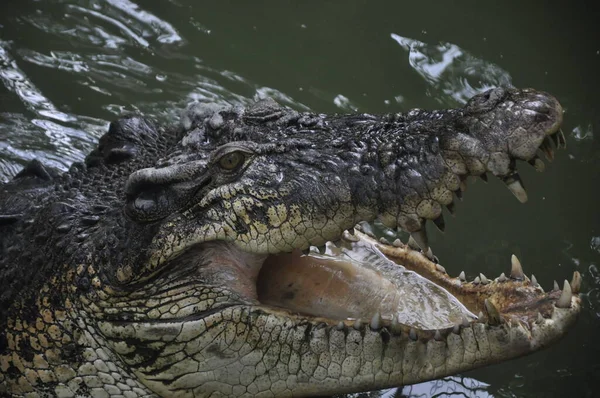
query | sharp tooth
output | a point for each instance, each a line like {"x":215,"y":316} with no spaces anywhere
{"x":534,"y":281}
{"x":420,"y":237}
{"x":397,"y":243}
{"x":451,"y":208}
{"x":456,"y":329}
{"x":516,"y":271}
{"x":515,"y":185}
{"x":540,"y":318}
{"x":440,"y":223}
{"x":462,"y":276}
{"x":350,"y":237}
{"x":494,"y":317}
{"x":340,"y":326}
{"x":395,"y":327}
{"x":440,"y":268}
{"x":357,"y":324}
{"x":546,"y":148}
{"x":556,"y":287}
{"x":538,"y":164}
{"x":477,"y":281}
{"x":502,"y":277}
{"x":576,"y":282}
{"x":438,"y":336}
{"x":384,"y":241}
{"x":412,"y":334}
{"x":565,"y":298}
{"x":480,"y":315}
{"x":483,"y":177}
{"x":429,"y":254}
{"x":561,"y":139}
{"x":376,"y":321}
{"x":465,"y":321}
{"x":484,"y":280}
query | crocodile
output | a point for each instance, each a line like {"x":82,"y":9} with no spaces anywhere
{"x":228,"y":255}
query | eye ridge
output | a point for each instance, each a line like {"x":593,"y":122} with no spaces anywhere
{"x":232,"y":160}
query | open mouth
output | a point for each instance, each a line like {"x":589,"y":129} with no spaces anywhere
{"x":354,"y":282}
{"x":362,"y":281}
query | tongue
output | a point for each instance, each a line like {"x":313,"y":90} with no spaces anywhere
{"x":358,"y":283}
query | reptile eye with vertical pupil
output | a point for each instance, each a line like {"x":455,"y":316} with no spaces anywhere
{"x":232,"y":160}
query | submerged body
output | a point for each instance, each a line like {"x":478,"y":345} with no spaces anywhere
{"x":163,"y":265}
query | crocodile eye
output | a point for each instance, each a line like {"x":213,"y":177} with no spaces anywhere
{"x":232,"y":160}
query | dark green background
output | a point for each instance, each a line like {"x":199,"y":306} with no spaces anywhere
{"x":69,"y":67}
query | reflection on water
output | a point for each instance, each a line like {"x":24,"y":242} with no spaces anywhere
{"x":69,"y":67}
{"x":451,"y":71}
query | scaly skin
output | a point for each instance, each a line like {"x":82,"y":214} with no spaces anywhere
{"x":135,"y":274}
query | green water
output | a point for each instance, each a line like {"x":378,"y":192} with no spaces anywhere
{"x":69,"y":67}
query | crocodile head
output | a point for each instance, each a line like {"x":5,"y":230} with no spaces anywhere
{"x":231,"y":299}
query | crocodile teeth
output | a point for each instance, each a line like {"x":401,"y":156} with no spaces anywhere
{"x":395,"y":327}
{"x":565,"y":298}
{"x":465,"y":321}
{"x":534,"y":281}
{"x":456,"y":329}
{"x":576,"y":282}
{"x":376,"y":321}
{"x":556,"y":287}
{"x":340,"y":326}
{"x":420,"y":238}
{"x":516,"y":271}
{"x":561,"y":139}
{"x":477,"y":281}
{"x":540,"y":318}
{"x":538,"y":164}
{"x":349,"y":236}
{"x":429,"y":255}
{"x":502,"y":277}
{"x":437,"y":336}
{"x":440,"y":223}
{"x":397,"y":243}
{"x":484,"y":280}
{"x":515,"y":185}
{"x":384,"y":241}
{"x":412,"y":334}
{"x":357,"y":324}
{"x":493,"y":313}
{"x":462,"y":276}
{"x":440,"y":268}
{"x":547,"y":150}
